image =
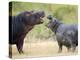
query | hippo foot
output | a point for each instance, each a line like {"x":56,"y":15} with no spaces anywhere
{"x":59,"y":51}
{"x":21,"y":52}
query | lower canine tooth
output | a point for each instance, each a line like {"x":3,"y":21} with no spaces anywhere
{"x":40,"y":17}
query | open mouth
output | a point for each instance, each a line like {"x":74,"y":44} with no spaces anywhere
{"x":41,"y":18}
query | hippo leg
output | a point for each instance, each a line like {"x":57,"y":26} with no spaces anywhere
{"x":73,"y":47}
{"x":68,"y":49}
{"x":59,"y":40}
{"x":20,"y":44}
{"x":60,"y":47}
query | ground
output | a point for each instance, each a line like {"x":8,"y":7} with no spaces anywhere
{"x":41,"y":49}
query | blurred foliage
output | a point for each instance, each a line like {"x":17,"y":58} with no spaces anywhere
{"x":65,"y":13}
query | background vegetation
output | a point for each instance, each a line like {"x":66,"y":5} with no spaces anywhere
{"x":65,"y":13}
{"x":39,"y":41}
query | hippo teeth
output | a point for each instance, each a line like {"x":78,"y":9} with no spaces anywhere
{"x":40,"y":17}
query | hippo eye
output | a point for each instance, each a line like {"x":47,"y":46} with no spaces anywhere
{"x":55,"y":20}
{"x":38,"y":16}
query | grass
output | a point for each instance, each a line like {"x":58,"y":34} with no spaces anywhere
{"x":67,"y":14}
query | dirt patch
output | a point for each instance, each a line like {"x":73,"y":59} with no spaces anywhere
{"x":41,"y":49}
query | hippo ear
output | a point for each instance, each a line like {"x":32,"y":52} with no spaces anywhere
{"x":30,"y":13}
{"x":50,"y":17}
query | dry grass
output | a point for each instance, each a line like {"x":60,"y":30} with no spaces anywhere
{"x":40,"y":49}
